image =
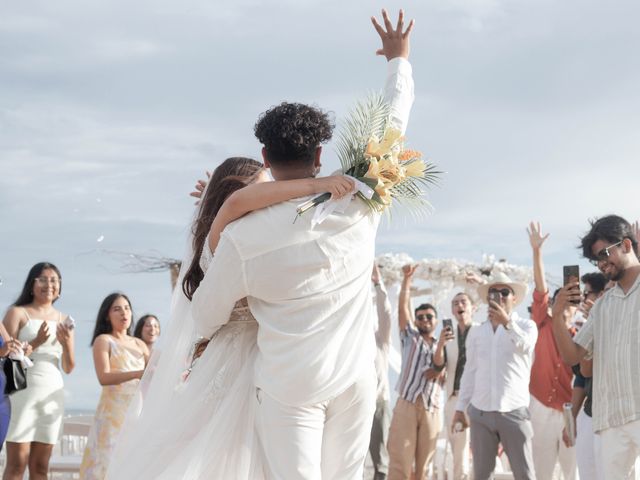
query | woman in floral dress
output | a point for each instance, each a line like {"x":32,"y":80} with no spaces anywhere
{"x":119,"y":360}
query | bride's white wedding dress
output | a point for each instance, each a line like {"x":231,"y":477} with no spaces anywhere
{"x":201,"y":427}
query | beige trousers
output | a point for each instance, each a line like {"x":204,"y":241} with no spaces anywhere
{"x":412,"y":439}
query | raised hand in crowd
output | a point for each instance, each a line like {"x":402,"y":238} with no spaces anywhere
{"x":536,"y":240}
{"x":474,"y":278}
{"x":405,"y":315}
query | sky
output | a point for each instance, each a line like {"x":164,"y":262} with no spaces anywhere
{"x":109,"y":111}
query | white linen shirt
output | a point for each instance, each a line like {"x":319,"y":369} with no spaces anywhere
{"x":612,"y":336}
{"x":308,"y":288}
{"x":496,"y":375}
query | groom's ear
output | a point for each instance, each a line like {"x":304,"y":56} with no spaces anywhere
{"x":267,"y":164}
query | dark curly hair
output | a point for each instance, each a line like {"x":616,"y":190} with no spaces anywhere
{"x":596,"y":280}
{"x":291,"y":133}
{"x":610,"y":228}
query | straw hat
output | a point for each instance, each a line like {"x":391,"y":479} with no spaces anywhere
{"x":501,"y":278}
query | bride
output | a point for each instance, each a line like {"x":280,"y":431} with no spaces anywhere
{"x":196,"y":420}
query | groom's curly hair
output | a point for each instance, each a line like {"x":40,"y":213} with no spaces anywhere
{"x":291,"y":133}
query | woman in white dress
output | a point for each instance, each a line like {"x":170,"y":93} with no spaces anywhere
{"x":196,"y":421}
{"x":36,"y":411}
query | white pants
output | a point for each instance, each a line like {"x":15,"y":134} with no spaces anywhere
{"x":459,"y":445}
{"x":588,"y":453}
{"x":328,"y":440}
{"x":548,"y":447}
{"x":620,"y":447}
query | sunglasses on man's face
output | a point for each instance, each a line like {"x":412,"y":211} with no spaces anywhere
{"x":425,"y":316}
{"x":603,"y":254}
{"x":504,"y":292}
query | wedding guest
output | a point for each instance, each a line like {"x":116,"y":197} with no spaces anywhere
{"x":7,"y":345}
{"x":495,"y":382}
{"x":416,"y":420}
{"x":587,"y":444}
{"x":36,"y":411}
{"x":119,"y":360}
{"x":550,"y":383}
{"x":462,"y":308}
{"x":612,"y":339}
{"x":147,"y":329}
{"x":382,"y":416}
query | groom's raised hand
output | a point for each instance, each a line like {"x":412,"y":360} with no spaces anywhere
{"x":395,"y":42}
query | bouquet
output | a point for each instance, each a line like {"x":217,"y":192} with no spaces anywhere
{"x":372,"y":151}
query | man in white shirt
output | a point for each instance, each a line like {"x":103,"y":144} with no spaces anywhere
{"x":611,"y":337}
{"x":309,"y":289}
{"x":495,"y":382}
{"x":463,"y":309}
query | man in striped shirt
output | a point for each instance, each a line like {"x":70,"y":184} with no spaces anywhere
{"x":612,"y":338}
{"x":417,"y":415}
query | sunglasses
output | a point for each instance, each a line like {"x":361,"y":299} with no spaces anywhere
{"x":603,"y":254}
{"x":504,"y":292}
{"x":425,"y":316}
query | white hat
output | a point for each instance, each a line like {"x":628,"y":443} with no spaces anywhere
{"x":501,"y":278}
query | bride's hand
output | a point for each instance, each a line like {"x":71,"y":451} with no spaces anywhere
{"x":337,"y":185}
{"x":199,"y":187}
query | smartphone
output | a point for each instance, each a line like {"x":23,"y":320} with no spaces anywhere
{"x":447,"y":323}
{"x":494,"y":297}
{"x":571,"y":274}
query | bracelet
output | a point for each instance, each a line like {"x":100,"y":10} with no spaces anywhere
{"x":376,"y":284}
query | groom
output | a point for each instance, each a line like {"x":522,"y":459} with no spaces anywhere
{"x":309,"y":290}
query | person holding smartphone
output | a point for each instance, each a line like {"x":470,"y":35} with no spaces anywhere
{"x":462,"y":309}
{"x":495,"y":383}
{"x":611,"y":338}
{"x":416,"y":420}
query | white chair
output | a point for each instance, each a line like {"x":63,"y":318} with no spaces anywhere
{"x":67,"y":455}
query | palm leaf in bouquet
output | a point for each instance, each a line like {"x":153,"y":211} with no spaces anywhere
{"x":372,"y":151}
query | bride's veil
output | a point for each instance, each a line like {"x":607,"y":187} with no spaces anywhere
{"x":194,"y":430}
{"x":151,"y":417}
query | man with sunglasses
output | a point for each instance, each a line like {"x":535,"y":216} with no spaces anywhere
{"x":416,"y":420}
{"x":550,"y":384}
{"x":495,"y":384}
{"x":611,"y":337}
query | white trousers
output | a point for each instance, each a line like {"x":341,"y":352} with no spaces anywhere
{"x":620,"y":448}
{"x":325,"y":441}
{"x":548,"y":447}
{"x":588,"y":455}
{"x":459,"y":443}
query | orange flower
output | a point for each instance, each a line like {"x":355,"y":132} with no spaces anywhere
{"x":409,"y":154}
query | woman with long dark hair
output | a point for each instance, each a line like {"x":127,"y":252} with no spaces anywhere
{"x":119,"y":360}
{"x":147,"y":329}
{"x":207,"y":408}
{"x":37,"y":411}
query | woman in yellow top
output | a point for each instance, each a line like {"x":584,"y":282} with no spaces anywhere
{"x":119,"y":360}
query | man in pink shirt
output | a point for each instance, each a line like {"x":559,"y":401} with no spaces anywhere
{"x":551,"y":378}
